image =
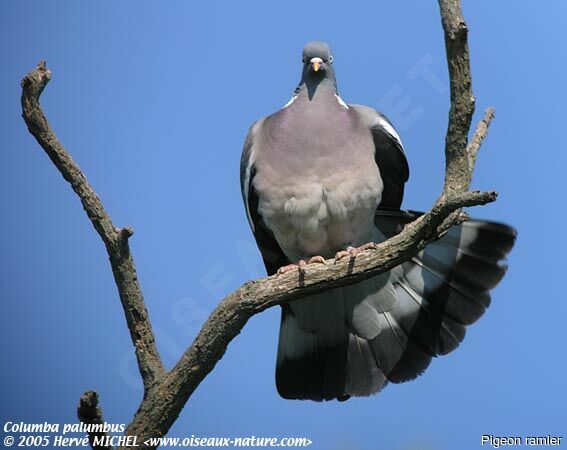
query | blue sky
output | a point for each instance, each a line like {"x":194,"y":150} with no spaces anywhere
{"x":154,"y":99}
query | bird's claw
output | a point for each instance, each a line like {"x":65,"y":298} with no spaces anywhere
{"x":344,"y":253}
{"x":301,"y":264}
{"x":316,"y":260}
{"x":287,"y":268}
{"x":353,"y":251}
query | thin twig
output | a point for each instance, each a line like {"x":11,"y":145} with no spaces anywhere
{"x":479,"y":135}
{"x":89,"y":413}
{"x":115,"y":239}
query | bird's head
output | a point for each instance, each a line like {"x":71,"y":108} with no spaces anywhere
{"x":317,"y":59}
{"x":317,"y":66}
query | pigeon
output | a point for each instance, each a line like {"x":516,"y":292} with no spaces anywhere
{"x":322,"y":178}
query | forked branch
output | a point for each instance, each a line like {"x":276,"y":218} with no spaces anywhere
{"x":166,"y":393}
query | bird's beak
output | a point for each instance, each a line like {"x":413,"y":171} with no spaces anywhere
{"x":316,"y":63}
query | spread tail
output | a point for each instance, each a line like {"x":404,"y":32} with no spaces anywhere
{"x":351,"y":341}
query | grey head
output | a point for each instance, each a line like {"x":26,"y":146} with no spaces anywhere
{"x":318,"y":68}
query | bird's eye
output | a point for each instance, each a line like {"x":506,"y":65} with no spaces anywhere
{"x":331,"y":58}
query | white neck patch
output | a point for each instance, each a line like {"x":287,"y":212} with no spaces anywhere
{"x":291,"y":100}
{"x":341,"y":101}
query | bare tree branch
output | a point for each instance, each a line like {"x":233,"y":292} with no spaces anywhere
{"x":167,"y":392}
{"x":458,"y":172}
{"x":159,"y":411}
{"x":115,"y":239}
{"x":89,"y":412}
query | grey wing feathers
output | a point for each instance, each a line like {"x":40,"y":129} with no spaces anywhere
{"x":272,"y":255}
{"x":389,"y":155}
{"x":246,"y":168}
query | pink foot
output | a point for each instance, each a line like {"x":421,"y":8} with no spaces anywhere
{"x":301,"y":264}
{"x":316,"y":260}
{"x":353,"y":251}
{"x":289,"y":267}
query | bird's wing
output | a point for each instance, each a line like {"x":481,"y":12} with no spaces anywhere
{"x":389,"y":155}
{"x":272,"y":254}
